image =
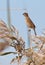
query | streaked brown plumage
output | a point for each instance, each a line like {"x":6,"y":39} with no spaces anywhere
{"x":29,"y":22}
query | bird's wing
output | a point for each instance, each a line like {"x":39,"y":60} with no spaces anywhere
{"x":29,"y":23}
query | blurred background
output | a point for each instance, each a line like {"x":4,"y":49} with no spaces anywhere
{"x":36,"y":11}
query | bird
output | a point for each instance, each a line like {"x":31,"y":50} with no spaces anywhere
{"x":29,"y":22}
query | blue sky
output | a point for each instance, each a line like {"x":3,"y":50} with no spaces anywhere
{"x":36,"y":10}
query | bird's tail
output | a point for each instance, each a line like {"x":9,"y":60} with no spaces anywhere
{"x":35,"y":32}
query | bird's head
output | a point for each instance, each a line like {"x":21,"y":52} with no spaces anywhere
{"x":25,"y":14}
